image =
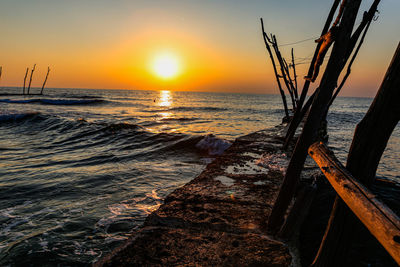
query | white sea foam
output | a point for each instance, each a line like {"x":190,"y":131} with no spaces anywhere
{"x":213,"y":145}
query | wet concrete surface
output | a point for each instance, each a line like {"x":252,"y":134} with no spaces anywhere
{"x":218,"y":218}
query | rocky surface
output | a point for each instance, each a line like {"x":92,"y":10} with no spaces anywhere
{"x":217,"y":219}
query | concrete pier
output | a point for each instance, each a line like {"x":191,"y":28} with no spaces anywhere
{"x":217,"y":219}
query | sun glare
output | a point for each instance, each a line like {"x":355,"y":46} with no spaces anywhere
{"x":166,"y":65}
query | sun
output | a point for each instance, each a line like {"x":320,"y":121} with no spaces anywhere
{"x":166,"y":65}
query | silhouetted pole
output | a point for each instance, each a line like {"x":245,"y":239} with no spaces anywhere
{"x":369,"y":143}
{"x":30,"y":80}
{"x":295,"y":77}
{"x":1,"y":71}
{"x":45,"y":80}
{"x":26,"y":75}
{"x":316,"y":115}
{"x":285,"y":74}
{"x":294,"y":123}
{"x":275,"y":71}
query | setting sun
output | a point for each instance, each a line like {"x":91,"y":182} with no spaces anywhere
{"x":166,"y":65}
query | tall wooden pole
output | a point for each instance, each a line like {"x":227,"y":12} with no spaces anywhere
{"x":316,"y":115}
{"x":295,"y":77}
{"x":294,"y":123}
{"x":275,"y":71}
{"x":45,"y":80}
{"x":369,"y":142}
{"x":26,"y":75}
{"x":30,"y":80}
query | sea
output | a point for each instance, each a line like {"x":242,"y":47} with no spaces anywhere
{"x":80,"y":169}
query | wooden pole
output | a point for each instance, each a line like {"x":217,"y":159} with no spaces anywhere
{"x":367,"y":18}
{"x":30,"y":80}
{"x":295,"y":77}
{"x":349,"y":67}
{"x":1,"y":71}
{"x":316,"y":115}
{"x":282,"y":66}
{"x":294,"y":123}
{"x":275,"y":71}
{"x":26,"y":75}
{"x":382,"y":222}
{"x":45,"y":80}
{"x":369,"y":142}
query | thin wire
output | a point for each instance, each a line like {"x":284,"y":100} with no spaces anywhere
{"x":298,"y":42}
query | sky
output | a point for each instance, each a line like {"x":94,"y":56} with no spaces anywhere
{"x":218,"y":43}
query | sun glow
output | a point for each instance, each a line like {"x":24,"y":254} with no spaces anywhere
{"x":166,"y":65}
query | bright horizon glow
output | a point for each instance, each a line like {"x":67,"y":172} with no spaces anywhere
{"x":166,"y":65}
{"x":215,"y":46}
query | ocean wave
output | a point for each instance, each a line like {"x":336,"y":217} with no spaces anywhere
{"x":16,"y":117}
{"x":197,"y":109}
{"x":179,"y":119}
{"x":78,"y":133}
{"x":46,"y":101}
{"x":183,"y":108}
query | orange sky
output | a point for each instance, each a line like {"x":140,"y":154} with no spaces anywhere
{"x":110,"y":44}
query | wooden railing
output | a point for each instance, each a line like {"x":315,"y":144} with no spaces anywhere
{"x":382,"y":222}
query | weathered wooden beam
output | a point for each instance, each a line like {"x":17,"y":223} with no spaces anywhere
{"x":379,"y":219}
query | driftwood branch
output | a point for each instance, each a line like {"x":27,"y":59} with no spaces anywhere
{"x":281,"y":61}
{"x":30,"y":80}
{"x":45,"y":80}
{"x":379,"y":219}
{"x":266,"y":41}
{"x":26,"y":75}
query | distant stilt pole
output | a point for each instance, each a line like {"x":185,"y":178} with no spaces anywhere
{"x":26,"y":75}
{"x":1,"y":71}
{"x":45,"y":80}
{"x":30,"y":81}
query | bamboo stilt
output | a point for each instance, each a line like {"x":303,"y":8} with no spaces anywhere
{"x":45,"y":80}
{"x":30,"y":80}
{"x":26,"y":75}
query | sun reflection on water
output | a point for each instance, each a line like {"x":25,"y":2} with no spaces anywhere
{"x":165,"y":99}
